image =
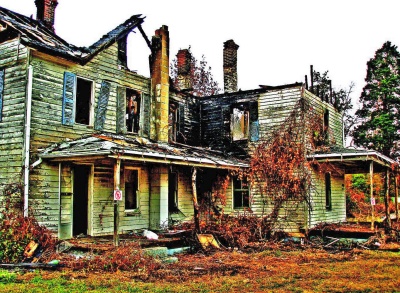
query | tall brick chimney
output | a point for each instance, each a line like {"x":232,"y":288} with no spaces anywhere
{"x":230,"y":66}
{"x":160,"y":84}
{"x":184,"y":58}
{"x":46,"y":12}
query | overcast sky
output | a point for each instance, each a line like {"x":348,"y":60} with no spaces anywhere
{"x":278,"y":40}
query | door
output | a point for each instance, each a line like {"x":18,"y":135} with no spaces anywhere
{"x":80,"y":200}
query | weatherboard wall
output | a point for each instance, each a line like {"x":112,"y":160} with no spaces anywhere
{"x":13,"y":63}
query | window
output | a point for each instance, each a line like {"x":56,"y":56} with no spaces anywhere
{"x":132,"y":113}
{"x":326,"y":126}
{"x":328,"y":191}
{"x":239,"y":123}
{"x":83,"y":101}
{"x":241,"y":195}
{"x":1,"y":93}
{"x":131,"y":189}
{"x":77,"y":104}
{"x":173,"y":192}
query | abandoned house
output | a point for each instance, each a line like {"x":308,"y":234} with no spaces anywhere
{"x":100,"y":149}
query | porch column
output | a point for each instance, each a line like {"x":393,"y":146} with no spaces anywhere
{"x":158,"y":197}
{"x":387,"y":200}
{"x":117,"y":172}
{"x":371,"y":175}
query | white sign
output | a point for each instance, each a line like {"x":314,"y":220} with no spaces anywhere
{"x":117,"y":194}
{"x":372,"y":201}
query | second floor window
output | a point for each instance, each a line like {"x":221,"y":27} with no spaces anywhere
{"x":239,"y":123}
{"x":132,"y":115}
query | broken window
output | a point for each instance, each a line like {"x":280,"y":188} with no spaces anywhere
{"x":1,"y":93}
{"x":83,"y":101}
{"x":77,"y":100}
{"x":239,"y":123}
{"x":173,"y":192}
{"x":131,"y":189}
{"x":241,"y":194}
{"x":132,"y":110}
{"x":328,"y":191}
{"x":122,"y":56}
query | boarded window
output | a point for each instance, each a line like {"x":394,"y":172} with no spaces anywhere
{"x":173,"y":192}
{"x":241,"y":194}
{"x":131,"y":189}
{"x":132,"y":110}
{"x":1,"y":93}
{"x":328,"y":191}
{"x":239,"y":124}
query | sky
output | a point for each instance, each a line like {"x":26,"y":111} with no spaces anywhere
{"x":278,"y":40}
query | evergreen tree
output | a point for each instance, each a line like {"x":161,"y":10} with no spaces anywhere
{"x":378,"y":116}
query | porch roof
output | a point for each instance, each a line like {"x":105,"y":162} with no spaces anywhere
{"x":354,"y":160}
{"x":138,"y":149}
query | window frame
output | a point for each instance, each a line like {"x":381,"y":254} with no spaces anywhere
{"x":236,"y":191}
{"x":126,"y":171}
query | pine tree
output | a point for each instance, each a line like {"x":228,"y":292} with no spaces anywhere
{"x":379,"y":114}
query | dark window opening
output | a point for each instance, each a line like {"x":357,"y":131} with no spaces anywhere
{"x":241,"y":194}
{"x":173,"y":192}
{"x":122,"y":49}
{"x":326,"y":126}
{"x":83,"y":101}
{"x":131,"y":189}
{"x":240,"y":123}
{"x":328,"y":191}
{"x":132,"y":110}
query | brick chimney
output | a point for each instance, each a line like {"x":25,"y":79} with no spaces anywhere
{"x":46,"y":12}
{"x":230,"y":66}
{"x":160,"y":84}
{"x":184,"y":58}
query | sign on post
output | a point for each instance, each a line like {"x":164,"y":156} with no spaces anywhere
{"x":117,"y":194}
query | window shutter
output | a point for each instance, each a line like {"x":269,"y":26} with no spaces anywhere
{"x":1,"y":93}
{"x":121,"y":109}
{"x":226,"y":121}
{"x":181,"y":121}
{"x":254,"y":124}
{"x":69,"y":96}
{"x":145,"y":115}
{"x":102,"y":105}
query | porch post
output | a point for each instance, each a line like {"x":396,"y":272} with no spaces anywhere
{"x":387,"y":200}
{"x":371,"y":175}
{"x":195,"y":203}
{"x":117,"y":169}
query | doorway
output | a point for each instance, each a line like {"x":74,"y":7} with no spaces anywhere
{"x":80,"y":200}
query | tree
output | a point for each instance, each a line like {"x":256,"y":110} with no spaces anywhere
{"x":341,"y":97}
{"x":380,"y":103}
{"x":203,"y":83}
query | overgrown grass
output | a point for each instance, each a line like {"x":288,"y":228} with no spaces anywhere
{"x":287,"y":271}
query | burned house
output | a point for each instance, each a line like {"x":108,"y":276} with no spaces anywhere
{"x":100,"y":149}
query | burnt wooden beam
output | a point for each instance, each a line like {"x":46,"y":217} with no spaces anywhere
{"x":144,"y":36}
